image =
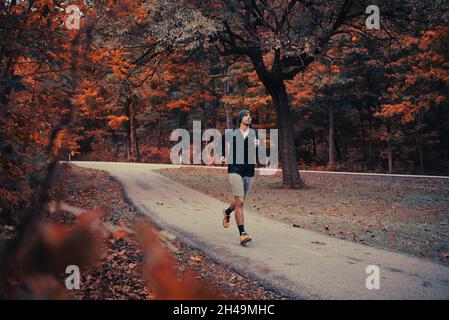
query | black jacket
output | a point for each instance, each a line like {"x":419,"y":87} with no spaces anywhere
{"x":247,"y":167}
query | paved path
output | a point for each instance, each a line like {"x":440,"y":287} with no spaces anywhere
{"x":297,"y":262}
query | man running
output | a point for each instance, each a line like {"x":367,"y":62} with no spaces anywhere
{"x":241,"y":174}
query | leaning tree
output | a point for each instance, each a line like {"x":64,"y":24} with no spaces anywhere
{"x":282,"y":38}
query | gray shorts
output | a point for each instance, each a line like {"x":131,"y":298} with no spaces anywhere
{"x":240,"y":185}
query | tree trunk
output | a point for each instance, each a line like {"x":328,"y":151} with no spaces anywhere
{"x":228,"y":119}
{"x":134,"y":137}
{"x":160,"y":136}
{"x":421,"y":158}
{"x":314,"y":144}
{"x":331,"y":162}
{"x":133,"y":145}
{"x":363,"y":142}
{"x":275,"y":85}
{"x":370,"y":134}
{"x":215,"y":104}
{"x":389,"y":150}
{"x":203,"y":106}
{"x":127,"y":144}
{"x":229,"y":124}
{"x":129,"y":152}
{"x":390,"y":158}
{"x":290,"y":170}
{"x":337,"y":149}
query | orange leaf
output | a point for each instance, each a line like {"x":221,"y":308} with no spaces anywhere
{"x":120,"y":234}
{"x":196,"y":258}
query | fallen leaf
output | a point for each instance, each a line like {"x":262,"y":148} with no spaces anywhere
{"x":120,"y":234}
{"x":196,"y":258}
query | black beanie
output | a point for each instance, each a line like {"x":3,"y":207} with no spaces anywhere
{"x":241,"y":115}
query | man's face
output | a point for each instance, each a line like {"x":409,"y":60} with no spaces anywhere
{"x":246,"y":119}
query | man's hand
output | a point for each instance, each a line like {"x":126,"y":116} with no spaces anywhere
{"x":256,"y":142}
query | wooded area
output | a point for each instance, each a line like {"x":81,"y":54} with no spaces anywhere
{"x":343,"y":96}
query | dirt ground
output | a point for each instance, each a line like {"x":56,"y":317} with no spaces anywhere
{"x":409,"y":215}
{"x":118,"y":275}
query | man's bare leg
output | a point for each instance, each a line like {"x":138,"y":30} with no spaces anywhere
{"x":238,"y":206}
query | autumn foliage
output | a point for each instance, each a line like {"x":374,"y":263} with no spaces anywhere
{"x":344,"y":98}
